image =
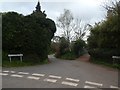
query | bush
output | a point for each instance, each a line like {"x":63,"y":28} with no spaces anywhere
{"x":5,"y":56}
{"x":78,"y":47}
{"x":104,"y":54}
{"x":62,"y":47}
{"x":68,"y":55}
{"x":29,"y":34}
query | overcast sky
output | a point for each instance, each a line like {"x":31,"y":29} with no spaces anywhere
{"x":89,"y":11}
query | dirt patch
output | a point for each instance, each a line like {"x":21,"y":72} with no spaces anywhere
{"x":85,"y":57}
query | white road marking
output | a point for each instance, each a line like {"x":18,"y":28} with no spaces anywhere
{"x":52,"y":76}
{"x":12,"y":71}
{"x":69,"y":83}
{"x":32,"y":77}
{"x":113,"y":87}
{"x":50,"y":80}
{"x":93,"y":83}
{"x":71,"y":79}
{"x":23,"y":73}
{"x":6,"y":71}
{"x":3,"y":74}
{"x":36,"y":74}
{"x":15,"y":75}
{"x":89,"y":86}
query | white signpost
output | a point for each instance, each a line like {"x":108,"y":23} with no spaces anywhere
{"x":15,"y":55}
{"x":115,"y":58}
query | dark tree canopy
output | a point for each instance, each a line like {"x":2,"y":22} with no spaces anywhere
{"x":104,"y":39}
{"x":106,"y":33}
{"x":29,"y":34}
{"x":38,"y":7}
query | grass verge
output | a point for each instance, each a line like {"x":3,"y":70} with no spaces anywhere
{"x":29,"y":60}
{"x":101,"y":62}
{"x":68,"y":56}
{"x":17,"y":63}
{"x":71,"y":56}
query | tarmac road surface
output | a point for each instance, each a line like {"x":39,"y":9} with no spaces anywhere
{"x":60,"y":74}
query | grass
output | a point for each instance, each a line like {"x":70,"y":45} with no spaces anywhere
{"x":71,"y":56}
{"x":28,"y":61}
{"x":101,"y":62}
{"x":18,"y":63}
{"x":68,"y":56}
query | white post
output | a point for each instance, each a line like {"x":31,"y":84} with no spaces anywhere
{"x":10,"y":59}
{"x":21,"y":58}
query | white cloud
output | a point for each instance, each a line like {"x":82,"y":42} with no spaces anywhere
{"x":88,"y":10}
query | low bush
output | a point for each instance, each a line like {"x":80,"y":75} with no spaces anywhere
{"x":78,"y":47}
{"x":68,"y":55}
{"x":5,"y":56}
{"x":62,"y":47}
{"x":104,"y":54}
{"x":102,"y":62}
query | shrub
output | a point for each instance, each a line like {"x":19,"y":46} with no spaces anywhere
{"x":78,"y":47}
{"x":64,"y":46}
{"x":68,"y":55}
{"x":29,"y":34}
{"x":61,"y":47}
{"x":104,"y":54}
{"x":5,"y":56}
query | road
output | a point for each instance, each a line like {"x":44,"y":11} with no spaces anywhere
{"x":60,"y":74}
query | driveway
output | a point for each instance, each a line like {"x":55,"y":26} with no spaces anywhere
{"x":60,"y":74}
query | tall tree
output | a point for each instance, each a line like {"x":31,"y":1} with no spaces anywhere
{"x":29,"y":34}
{"x":64,"y":22}
{"x":104,"y":39}
{"x":38,"y":7}
{"x":80,"y":29}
